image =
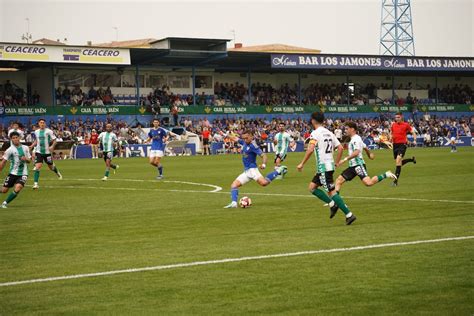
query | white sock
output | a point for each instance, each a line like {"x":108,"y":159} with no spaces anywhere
{"x":331,"y":204}
{"x":348,"y":214}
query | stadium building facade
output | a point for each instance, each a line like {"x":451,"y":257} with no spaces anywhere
{"x":192,"y":70}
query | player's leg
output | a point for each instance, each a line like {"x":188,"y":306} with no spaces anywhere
{"x":37,"y":169}
{"x":159,"y":166}
{"x":234,"y":189}
{"x":334,"y":195}
{"x":314,"y":189}
{"x":368,"y":181}
{"x":398,"y":156}
{"x":264,"y":181}
{"x":16,"y":190}
{"x":108,"y":162}
{"x":52,"y":166}
{"x":339,"y":182}
{"x":277,"y":161}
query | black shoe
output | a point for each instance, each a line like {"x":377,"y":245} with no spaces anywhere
{"x":414,"y":160}
{"x":351,"y":219}
{"x":333,"y":210}
{"x":395,"y":183}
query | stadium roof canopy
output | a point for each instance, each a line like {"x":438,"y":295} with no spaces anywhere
{"x":178,"y":53}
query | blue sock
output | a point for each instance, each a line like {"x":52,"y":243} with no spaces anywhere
{"x":234,"y":193}
{"x":272,"y":175}
{"x":160,"y":170}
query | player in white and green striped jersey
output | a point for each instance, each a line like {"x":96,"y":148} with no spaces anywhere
{"x":281,"y":141}
{"x":19,"y":157}
{"x":356,"y":161}
{"x":108,"y":140}
{"x":323,"y":144}
{"x":44,"y":147}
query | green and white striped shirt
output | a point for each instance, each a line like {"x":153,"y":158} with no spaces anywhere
{"x":283,"y":141}
{"x":108,"y":139}
{"x":13,"y":154}
{"x":43,"y":138}
{"x":325,"y":142}
{"x":356,"y":144}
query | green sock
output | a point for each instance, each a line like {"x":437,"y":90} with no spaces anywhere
{"x":340,"y":202}
{"x":320,"y":194}
{"x":381,"y":177}
{"x":107,"y":173}
{"x":37,"y":175}
{"x":11,"y":197}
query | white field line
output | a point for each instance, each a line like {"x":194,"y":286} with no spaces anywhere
{"x":218,"y":189}
{"x":229,"y":260}
{"x":215,"y":188}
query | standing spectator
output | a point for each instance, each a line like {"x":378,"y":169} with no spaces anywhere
{"x":174,"y":112}
{"x":206,"y":135}
{"x":94,"y":142}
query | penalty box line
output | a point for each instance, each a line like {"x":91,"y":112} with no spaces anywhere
{"x":230,"y":260}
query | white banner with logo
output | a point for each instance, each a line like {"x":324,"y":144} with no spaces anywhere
{"x":64,"y":54}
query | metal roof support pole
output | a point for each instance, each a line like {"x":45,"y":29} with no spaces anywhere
{"x":299,"y":89}
{"x":53,"y":88}
{"x":194,"y":84}
{"x":393,"y":90}
{"x":249,"y":85}
{"x":348,"y":90}
{"x":137,"y":85}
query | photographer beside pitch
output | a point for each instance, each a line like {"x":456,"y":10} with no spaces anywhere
{"x":19,"y":156}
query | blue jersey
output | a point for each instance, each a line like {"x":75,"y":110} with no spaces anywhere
{"x":249,"y":154}
{"x":158,"y":136}
{"x":453,"y":131}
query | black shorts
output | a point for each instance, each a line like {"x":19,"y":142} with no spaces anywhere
{"x":44,"y":158}
{"x":351,"y":172}
{"x":325,"y":180}
{"x":399,"y":150}
{"x":205,"y":141}
{"x":11,"y":180}
{"x":282,"y":157}
{"x":108,"y":155}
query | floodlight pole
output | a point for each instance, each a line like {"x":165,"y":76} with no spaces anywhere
{"x":396,"y":29}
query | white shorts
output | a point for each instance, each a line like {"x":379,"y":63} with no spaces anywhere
{"x":453,"y":139}
{"x":156,"y":153}
{"x":249,"y":174}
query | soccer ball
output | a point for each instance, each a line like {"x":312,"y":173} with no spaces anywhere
{"x":245,"y":202}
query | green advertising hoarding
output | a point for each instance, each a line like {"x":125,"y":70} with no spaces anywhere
{"x":226,"y":110}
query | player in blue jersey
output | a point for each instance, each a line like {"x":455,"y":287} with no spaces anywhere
{"x":158,"y":137}
{"x":454,"y":136}
{"x":250,"y":151}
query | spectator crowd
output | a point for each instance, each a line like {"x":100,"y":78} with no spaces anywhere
{"x":432,"y":129}
{"x":261,"y":94}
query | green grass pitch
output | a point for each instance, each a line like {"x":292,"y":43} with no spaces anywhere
{"x":78,"y":226}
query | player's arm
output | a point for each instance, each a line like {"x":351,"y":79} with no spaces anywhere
{"x":413,"y":134}
{"x":3,"y":163}
{"x":369,"y":153}
{"x":33,"y":145}
{"x":27,"y":156}
{"x":264,"y":160}
{"x":308,"y":153}
{"x":340,"y":151}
